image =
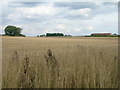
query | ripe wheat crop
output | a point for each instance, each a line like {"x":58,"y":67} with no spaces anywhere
{"x":52,"y":62}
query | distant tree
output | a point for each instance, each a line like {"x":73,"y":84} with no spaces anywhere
{"x":54,"y":34}
{"x":13,"y":31}
{"x":38,"y":36}
{"x":22,"y":35}
{"x":68,"y":35}
{"x":114,"y":34}
{"x":42,"y":35}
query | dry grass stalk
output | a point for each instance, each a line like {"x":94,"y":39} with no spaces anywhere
{"x":28,"y":75}
{"x":15,"y":57}
{"x":52,"y":63}
{"x":53,"y":66}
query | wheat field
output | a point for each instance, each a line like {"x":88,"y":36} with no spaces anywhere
{"x":59,"y":62}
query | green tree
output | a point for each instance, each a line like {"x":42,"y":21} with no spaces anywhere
{"x":42,"y":35}
{"x":13,"y":31}
{"x":114,"y":34}
{"x":54,"y":34}
{"x":38,"y":36}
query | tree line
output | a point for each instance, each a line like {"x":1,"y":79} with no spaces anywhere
{"x":52,"y":35}
{"x":16,"y":31}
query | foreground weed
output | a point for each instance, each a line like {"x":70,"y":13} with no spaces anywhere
{"x":53,"y":66}
{"x":28,"y":75}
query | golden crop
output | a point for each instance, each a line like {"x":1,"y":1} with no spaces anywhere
{"x":59,"y":62}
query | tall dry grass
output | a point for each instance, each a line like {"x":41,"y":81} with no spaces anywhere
{"x":60,"y":63}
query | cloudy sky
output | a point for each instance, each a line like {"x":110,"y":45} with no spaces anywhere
{"x":75,"y":18}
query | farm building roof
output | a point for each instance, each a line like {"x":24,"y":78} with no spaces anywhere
{"x":101,"y":34}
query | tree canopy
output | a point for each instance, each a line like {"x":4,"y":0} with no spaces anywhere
{"x":54,"y":34}
{"x":13,"y":31}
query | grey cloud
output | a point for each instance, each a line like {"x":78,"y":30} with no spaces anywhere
{"x":76,"y":5}
{"x":105,"y":8}
{"x":31,"y":4}
{"x":110,"y":3}
{"x":23,"y":4}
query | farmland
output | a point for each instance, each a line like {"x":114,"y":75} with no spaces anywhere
{"x":60,"y":62}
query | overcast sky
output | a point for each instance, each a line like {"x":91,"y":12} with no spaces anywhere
{"x":75,"y":18}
